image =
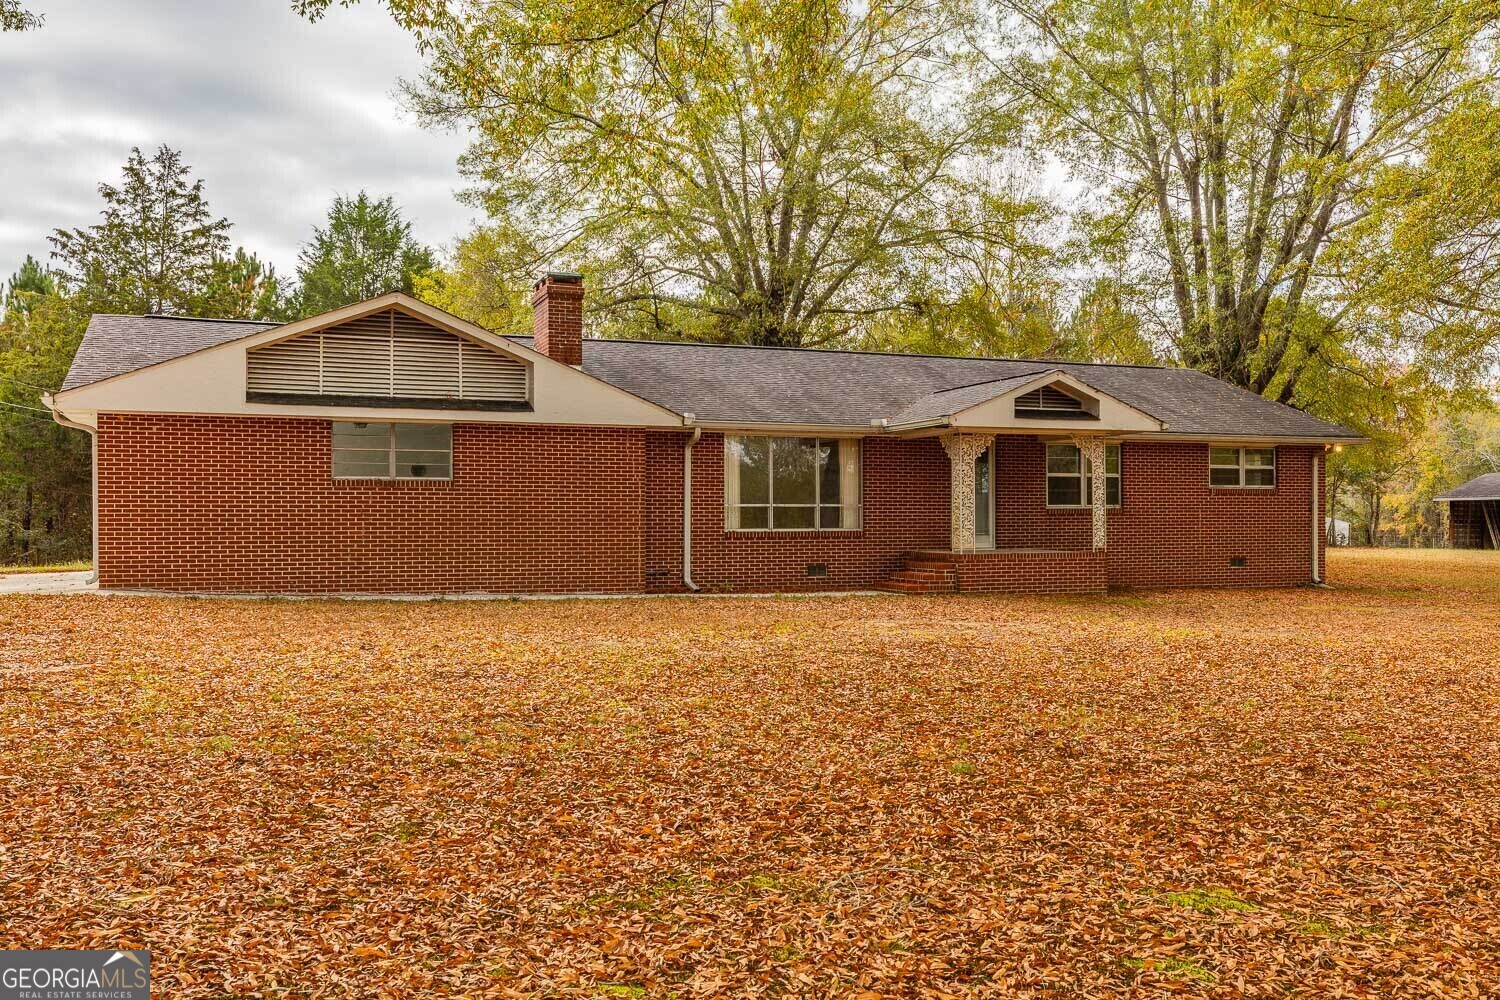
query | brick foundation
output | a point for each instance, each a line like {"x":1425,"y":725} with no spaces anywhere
{"x":249,"y":505}
{"x":1032,"y":571}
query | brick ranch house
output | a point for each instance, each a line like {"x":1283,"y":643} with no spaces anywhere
{"x":391,"y":447}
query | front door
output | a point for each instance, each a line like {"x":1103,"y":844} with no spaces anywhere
{"x":984,"y":500}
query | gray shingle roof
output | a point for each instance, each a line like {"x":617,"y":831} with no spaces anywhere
{"x":1485,"y":487}
{"x":946,"y":402}
{"x":114,"y":345}
{"x":760,"y":385}
{"x":852,"y":388}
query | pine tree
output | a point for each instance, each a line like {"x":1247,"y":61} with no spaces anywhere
{"x":244,"y":287}
{"x":155,"y":250}
{"x":26,"y":286}
{"x":365,"y":250}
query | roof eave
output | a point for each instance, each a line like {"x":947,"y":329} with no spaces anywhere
{"x":1208,"y":437}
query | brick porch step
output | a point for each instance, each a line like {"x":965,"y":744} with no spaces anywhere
{"x":922,"y":573}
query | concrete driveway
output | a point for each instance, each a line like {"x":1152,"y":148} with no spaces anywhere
{"x":46,"y":583}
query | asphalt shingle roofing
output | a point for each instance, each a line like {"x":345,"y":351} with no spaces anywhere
{"x":1485,"y":487}
{"x":115,"y":344}
{"x":946,"y":402}
{"x":761,"y":385}
{"x":852,"y":388}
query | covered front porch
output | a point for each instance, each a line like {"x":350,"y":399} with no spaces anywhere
{"x":1061,"y":410}
{"x":973,"y":563}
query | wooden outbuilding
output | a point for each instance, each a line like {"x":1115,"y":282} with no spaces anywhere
{"x":1474,"y":513}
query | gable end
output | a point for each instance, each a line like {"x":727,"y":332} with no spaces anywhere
{"x":386,"y":358}
{"x":1049,"y":402}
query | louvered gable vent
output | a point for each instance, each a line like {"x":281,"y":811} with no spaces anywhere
{"x":387,"y":355}
{"x":1048,"y":399}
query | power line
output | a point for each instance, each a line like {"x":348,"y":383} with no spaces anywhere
{"x":23,"y":406}
{"x":9,"y":414}
{"x":28,"y":385}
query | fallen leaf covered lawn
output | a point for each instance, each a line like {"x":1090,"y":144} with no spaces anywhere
{"x":1270,"y":792}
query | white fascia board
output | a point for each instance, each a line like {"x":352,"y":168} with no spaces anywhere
{"x":212,"y":382}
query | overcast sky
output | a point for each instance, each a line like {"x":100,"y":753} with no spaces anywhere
{"x":275,"y":114}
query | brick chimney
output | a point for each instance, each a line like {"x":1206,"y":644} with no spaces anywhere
{"x":557,"y":316}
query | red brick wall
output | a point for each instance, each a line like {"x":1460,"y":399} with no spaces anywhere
{"x":905,"y":492}
{"x":557,"y":319}
{"x":249,"y":504}
{"x":1174,"y":530}
{"x":1171,"y":529}
{"x":1081,"y":571}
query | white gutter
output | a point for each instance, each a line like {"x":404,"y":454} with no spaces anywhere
{"x":919,"y":425}
{"x":93,"y":434}
{"x":762,"y":427}
{"x":687,"y":506}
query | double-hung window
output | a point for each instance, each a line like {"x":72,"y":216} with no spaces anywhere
{"x":1070,"y":476}
{"x":392,"y":451}
{"x":1254,"y":467}
{"x":791,"y":483}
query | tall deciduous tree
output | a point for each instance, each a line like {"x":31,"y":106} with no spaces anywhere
{"x":14,"y":17}
{"x":782,"y":167}
{"x":365,"y":249}
{"x":1257,"y":162}
{"x":156,"y":248}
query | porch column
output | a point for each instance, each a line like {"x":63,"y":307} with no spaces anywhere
{"x":962,"y":450}
{"x":1092,"y":450}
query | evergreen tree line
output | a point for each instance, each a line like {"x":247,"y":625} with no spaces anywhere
{"x":157,"y":249}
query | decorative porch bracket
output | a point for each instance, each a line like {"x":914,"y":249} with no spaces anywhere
{"x":963,"y":450}
{"x":1092,"y":450}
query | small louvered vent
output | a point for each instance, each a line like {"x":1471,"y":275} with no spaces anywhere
{"x":1049,"y":400}
{"x":389,"y":355}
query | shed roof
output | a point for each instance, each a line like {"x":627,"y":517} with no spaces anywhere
{"x":1485,"y":487}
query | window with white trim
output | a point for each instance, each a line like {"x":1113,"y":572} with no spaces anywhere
{"x":1242,"y":467}
{"x":1070,"y":476}
{"x":791,"y":484}
{"x":392,"y":451}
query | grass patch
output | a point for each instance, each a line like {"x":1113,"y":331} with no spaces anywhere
{"x":1208,"y":901}
{"x":1180,"y":968}
{"x":76,"y":566}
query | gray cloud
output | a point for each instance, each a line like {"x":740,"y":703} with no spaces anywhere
{"x":275,"y":114}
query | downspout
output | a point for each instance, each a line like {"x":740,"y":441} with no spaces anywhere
{"x":93,"y":434}
{"x":1317,"y":522}
{"x":687,"y":507}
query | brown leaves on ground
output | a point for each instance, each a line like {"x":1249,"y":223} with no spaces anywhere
{"x":1268,"y":792}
